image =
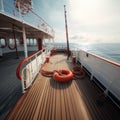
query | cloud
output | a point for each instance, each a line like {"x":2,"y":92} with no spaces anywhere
{"x":89,"y":21}
{"x":83,"y":38}
{"x":93,"y":12}
{"x":60,"y":35}
{"x":76,"y":37}
{"x":94,"y":21}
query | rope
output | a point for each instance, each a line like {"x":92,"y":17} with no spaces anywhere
{"x":45,"y":72}
{"x":78,"y":72}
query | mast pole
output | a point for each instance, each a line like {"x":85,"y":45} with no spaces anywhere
{"x":66,"y":32}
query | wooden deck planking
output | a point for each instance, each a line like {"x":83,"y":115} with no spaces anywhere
{"x":51,"y":100}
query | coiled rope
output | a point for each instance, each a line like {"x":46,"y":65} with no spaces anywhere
{"x":78,"y":72}
{"x":63,"y":75}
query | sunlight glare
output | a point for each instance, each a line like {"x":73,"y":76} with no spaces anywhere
{"x":87,"y":12}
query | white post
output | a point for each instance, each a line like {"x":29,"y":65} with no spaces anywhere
{"x":106,"y":92}
{"x":25,"y":43}
{"x":37,"y":65}
{"x":1,"y":5}
{"x":91,"y":77}
{"x":22,"y":82}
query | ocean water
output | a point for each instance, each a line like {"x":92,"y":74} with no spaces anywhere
{"x":110,"y":51}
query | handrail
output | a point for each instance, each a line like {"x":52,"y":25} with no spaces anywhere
{"x":38,"y":22}
{"x":24,"y":61}
{"x":102,"y":58}
{"x":103,"y":71}
{"x":42,"y":20}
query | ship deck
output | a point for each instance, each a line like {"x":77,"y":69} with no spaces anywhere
{"x":48,"y":99}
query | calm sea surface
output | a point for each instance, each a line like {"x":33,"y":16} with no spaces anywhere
{"x":110,"y":51}
{"x":107,"y":50}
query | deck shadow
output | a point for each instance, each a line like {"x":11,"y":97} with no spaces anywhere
{"x":59,"y":85}
{"x":100,"y":107}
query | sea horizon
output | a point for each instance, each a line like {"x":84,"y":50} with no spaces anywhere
{"x":109,"y":51}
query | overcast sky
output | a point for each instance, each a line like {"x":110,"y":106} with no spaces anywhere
{"x":89,"y":21}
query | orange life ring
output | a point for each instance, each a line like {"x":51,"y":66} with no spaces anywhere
{"x":78,"y":72}
{"x":63,"y":75}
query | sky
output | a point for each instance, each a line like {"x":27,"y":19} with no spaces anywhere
{"x":89,"y":21}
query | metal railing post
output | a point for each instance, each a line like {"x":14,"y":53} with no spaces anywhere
{"x":25,"y":44}
{"x":22,"y":81}
{"x":1,"y":6}
{"x":37,"y":65}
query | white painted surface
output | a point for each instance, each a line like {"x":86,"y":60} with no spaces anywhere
{"x":25,"y":42}
{"x":30,"y":71}
{"x":106,"y":72}
{"x":1,"y":5}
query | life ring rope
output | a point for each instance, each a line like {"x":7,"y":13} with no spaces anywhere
{"x":78,"y":72}
{"x":63,"y":75}
{"x":45,"y":72}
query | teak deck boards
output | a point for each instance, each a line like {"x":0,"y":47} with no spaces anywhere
{"x":48,"y":99}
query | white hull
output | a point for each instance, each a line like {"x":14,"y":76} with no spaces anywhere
{"x":105,"y":71}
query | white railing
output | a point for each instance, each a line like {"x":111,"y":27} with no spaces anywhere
{"x":32,"y":66}
{"x":105,"y":71}
{"x":32,"y":19}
